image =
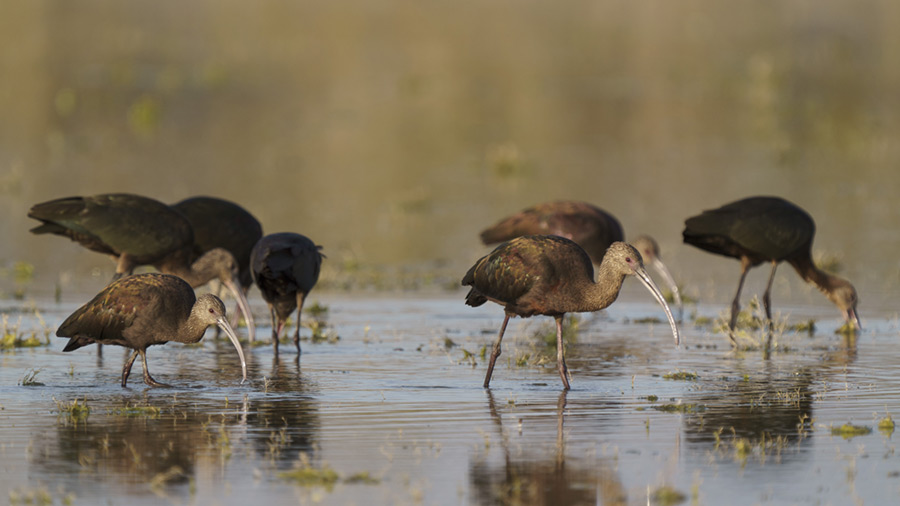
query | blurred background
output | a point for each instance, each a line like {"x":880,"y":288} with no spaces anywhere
{"x":392,"y":131}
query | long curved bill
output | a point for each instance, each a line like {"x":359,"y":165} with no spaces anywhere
{"x":224,"y":325}
{"x":664,"y":272}
{"x":642,"y":275}
{"x":243,"y":305}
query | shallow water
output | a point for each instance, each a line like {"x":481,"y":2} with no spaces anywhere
{"x":396,"y":401}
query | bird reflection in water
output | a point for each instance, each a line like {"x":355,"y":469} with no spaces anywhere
{"x":542,"y":479}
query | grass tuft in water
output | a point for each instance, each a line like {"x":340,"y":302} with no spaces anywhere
{"x":306,"y":475}
{"x":886,"y":425}
{"x":74,"y":411}
{"x":667,"y":496}
{"x":29,"y":379}
{"x":362,"y":477}
{"x":682,"y":376}
{"x":849,"y":431}
{"x":137,"y":411}
{"x":680,"y":408}
{"x":847,"y":330}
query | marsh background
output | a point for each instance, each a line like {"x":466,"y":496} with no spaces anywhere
{"x":392,"y":132}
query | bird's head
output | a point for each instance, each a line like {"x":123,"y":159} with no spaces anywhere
{"x":627,"y":260}
{"x":843,"y":295}
{"x":647,"y":246}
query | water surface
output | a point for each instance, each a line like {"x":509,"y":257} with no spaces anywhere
{"x":396,"y":409}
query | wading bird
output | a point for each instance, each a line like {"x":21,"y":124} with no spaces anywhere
{"x":285,"y":267}
{"x":591,"y":227}
{"x":768,"y":229}
{"x":551,"y":275}
{"x":144,"y":310}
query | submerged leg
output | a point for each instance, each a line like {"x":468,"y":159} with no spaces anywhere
{"x":276,"y":328}
{"x":300,"y":298}
{"x":767,"y":305}
{"x":126,"y":370}
{"x":736,"y":303}
{"x":147,"y":378}
{"x":495,"y":352}
{"x":561,"y":353}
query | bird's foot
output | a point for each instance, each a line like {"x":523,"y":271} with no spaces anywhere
{"x":152,"y":382}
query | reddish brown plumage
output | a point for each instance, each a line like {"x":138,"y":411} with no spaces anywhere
{"x":145,"y":310}
{"x":552,"y":275}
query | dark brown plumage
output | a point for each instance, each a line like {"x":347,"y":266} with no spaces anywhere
{"x":551,"y":275}
{"x":145,"y":310}
{"x":768,"y":229}
{"x":285,"y":267}
{"x":591,"y":227}
{"x":137,"y":231}
{"x":219,"y":223}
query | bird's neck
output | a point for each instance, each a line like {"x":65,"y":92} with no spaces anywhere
{"x":192,"y":329}
{"x":599,"y":295}
{"x":812,"y":274}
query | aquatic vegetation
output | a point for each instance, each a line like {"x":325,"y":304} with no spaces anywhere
{"x":305,"y":475}
{"x":317,"y":310}
{"x":669,"y":295}
{"x":682,"y":376}
{"x":680,"y":408}
{"x":137,"y":411}
{"x":11,"y":335}
{"x":29,"y":379}
{"x":469,"y":357}
{"x":362,"y":477}
{"x":886,"y":425}
{"x":40,"y":497}
{"x":849,"y":431}
{"x":808,"y":326}
{"x":546,"y":332}
{"x":847,"y":330}
{"x":649,"y":319}
{"x":73,"y":411}
{"x":667,"y":496}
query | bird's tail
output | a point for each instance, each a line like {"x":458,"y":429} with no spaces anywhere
{"x":474,"y":298}
{"x":77,"y":342}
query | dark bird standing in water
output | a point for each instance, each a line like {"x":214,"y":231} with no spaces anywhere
{"x":137,"y":231}
{"x":285,"y":267}
{"x":551,"y":275}
{"x":591,"y":227}
{"x":144,"y":310}
{"x":768,"y":229}
{"x":219,"y":223}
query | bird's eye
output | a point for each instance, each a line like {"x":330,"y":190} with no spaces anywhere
{"x":212,"y":311}
{"x":628,"y":259}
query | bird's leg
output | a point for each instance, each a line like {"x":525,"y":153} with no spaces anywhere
{"x":300,"y":298}
{"x":736,"y":303}
{"x":767,"y":306}
{"x":561,"y":353}
{"x":126,"y":370}
{"x":147,"y":378}
{"x":276,"y":328}
{"x":495,"y":352}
